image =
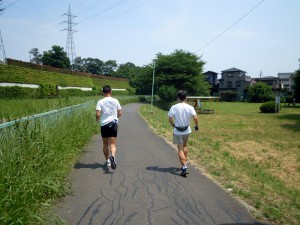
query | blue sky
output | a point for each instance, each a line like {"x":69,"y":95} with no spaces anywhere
{"x":267,"y":39}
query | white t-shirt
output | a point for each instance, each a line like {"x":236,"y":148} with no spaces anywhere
{"x":108,"y":107}
{"x":182,"y":113}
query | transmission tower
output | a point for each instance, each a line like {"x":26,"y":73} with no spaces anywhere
{"x":70,"y":46}
{"x":2,"y":51}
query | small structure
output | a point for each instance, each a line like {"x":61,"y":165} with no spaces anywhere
{"x":204,"y":105}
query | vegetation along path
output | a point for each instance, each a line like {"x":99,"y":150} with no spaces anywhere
{"x":145,"y":188}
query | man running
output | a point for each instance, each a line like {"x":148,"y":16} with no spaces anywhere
{"x":179,"y":117}
{"x":109,"y":109}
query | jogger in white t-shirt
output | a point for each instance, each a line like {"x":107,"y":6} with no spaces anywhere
{"x":179,"y":117}
{"x":109,"y":109}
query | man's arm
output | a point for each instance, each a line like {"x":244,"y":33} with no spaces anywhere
{"x":171,"y":121}
{"x":119,"y":113}
{"x":97,"y":115}
{"x":196,"y":122}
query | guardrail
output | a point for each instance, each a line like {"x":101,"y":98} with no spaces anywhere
{"x":46,"y":114}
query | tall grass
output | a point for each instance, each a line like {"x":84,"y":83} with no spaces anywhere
{"x":12,"y":109}
{"x":255,"y":154}
{"x":36,"y":158}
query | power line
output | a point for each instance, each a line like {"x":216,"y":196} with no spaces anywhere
{"x":228,"y":28}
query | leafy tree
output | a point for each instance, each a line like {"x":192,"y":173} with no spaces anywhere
{"x":180,"y":69}
{"x":296,"y":85}
{"x":93,"y":65}
{"x":56,"y":57}
{"x":127,"y":70}
{"x":36,"y":56}
{"x":260,"y":92}
{"x":109,"y":67}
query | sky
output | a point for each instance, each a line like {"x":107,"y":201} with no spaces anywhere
{"x":257,"y":36}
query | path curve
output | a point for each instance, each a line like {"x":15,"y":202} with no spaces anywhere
{"x":145,"y":188}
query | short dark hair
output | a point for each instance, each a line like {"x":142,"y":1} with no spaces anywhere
{"x":106,"y":89}
{"x":181,"y":94}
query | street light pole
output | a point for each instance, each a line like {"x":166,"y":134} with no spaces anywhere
{"x":152,"y":87}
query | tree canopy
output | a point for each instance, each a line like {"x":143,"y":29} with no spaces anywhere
{"x":56,"y":57}
{"x":260,"y":92}
{"x":296,"y":85}
{"x":180,"y":69}
{"x":36,"y":56}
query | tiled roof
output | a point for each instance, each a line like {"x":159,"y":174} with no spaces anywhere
{"x":233,"y":70}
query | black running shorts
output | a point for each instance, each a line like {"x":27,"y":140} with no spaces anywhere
{"x":109,"y":130}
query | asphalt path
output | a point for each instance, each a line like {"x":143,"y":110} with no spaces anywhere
{"x":146,"y":187}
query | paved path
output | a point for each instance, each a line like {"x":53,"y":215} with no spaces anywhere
{"x":145,"y":188}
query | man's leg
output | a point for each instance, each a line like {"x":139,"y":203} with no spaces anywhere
{"x":181,"y":154}
{"x":112,"y":145}
{"x":105,"y":148}
{"x":113,"y":149}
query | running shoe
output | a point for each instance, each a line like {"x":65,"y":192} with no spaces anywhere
{"x":113,"y":162}
{"x":107,"y":163}
{"x":184,"y":172}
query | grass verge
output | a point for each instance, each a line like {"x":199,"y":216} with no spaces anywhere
{"x":36,"y":158}
{"x":255,"y":154}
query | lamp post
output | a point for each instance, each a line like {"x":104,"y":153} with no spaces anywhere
{"x":152,"y":87}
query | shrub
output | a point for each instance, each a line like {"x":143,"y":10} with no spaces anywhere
{"x":18,"y":92}
{"x":47,"y":91}
{"x":167,"y":93}
{"x":268,"y":107}
{"x":229,"y":96}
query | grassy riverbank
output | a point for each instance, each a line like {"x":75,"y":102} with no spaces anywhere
{"x":257,"y":155}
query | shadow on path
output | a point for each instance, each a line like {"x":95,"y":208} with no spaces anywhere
{"x":93,"y":166}
{"x":257,"y":223}
{"x":172,"y":170}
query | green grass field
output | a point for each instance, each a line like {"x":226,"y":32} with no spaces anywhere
{"x":255,"y":154}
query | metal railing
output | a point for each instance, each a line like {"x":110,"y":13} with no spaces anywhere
{"x":46,"y":114}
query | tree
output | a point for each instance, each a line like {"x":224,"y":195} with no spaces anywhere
{"x":296,"y":85}
{"x":109,"y":67}
{"x":93,"y":65}
{"x":260,"y":92}
{"x":36,"y":56}
{"x":180,"y":69}
{"x":127,"y":70}
{"x":56,"y":57}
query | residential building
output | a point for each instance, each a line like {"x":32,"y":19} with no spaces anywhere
{"x":286,"y":80}
{"x":234,"y":80}
{"x":274,"y":82}
{"x":212,"y":78}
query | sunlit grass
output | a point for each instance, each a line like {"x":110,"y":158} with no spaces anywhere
{"x":255,"y":154}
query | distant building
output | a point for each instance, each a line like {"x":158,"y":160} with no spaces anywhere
{"x":212,"y":78}
{"x":234,"y":80}
{"x":274,"y":82}
{"x":286,"y":80}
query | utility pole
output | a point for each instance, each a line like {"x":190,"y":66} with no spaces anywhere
{"x":2,"y":51}
{"x":70,"y":46}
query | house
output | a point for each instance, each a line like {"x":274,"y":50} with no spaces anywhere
{"x":234,"y":80}
{"x":274,"y":82}
{"x":286,"y":80}
{"x":212,"y":78}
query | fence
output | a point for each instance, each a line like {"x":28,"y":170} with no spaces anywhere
{"x":46,"y":114}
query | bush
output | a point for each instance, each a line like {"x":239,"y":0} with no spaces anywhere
{"x":18,"y":92}
{"x":47,"y":91}
{"x":229,"y":96}
{"x":268,"y":107}
{"x":167,"y":93}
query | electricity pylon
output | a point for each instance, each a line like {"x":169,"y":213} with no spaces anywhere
{"x":70,"y":46}
{"x":2,"y":51}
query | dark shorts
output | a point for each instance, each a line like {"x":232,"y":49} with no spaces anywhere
{"x":109,"y":130}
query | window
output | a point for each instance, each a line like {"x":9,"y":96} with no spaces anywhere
{"x":229,"y":74}
{"x":229,"y":83}
{"x":238,"y":83}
